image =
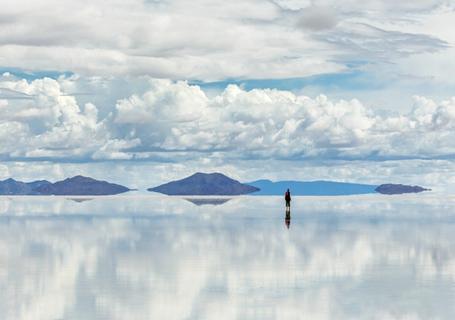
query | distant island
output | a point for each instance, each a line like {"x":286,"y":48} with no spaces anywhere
{"x":399,"y":189}
{"x":202,"y":184}
{"x":211,"y":184}
{"x":311,"y":188}
{"x":205,"y":184}
{"x":14,"y":187}
{"x":78,"y":185}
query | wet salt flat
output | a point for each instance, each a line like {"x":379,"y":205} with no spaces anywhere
{"x":153,"y":257}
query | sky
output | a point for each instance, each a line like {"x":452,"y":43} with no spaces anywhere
{"x":142,"y":91}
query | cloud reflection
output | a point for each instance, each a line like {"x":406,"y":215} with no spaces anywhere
{"x":164,"y":258}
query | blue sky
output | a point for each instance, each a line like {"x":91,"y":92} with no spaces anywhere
{"x":173,"y":87}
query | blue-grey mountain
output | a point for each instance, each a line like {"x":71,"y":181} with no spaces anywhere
{"x":77,"y":185}
{"x":80,"y":185}
{"x":205,"y":184}
{"x":391,"y":188}
{"x":311,"y":188}
{"x":14,"y":187}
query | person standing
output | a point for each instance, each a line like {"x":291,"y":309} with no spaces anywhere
{"x":287,"y":198}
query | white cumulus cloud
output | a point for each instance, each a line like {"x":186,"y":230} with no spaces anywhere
{"x":174,"y":121}
{"x":269,"y":123}
{"x":49,"y":123}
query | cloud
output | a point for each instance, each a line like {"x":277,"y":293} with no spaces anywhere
{"x":380,"y":45}
{"x":50,"y":124}
{"x":173,"y":39}
{"x":165,"y":101}
{"x":176,"y":121}
{"x":366,"y":7}
{"x":318,"y":18}
{"x":203,"y":40}
{"x":268,"y":123}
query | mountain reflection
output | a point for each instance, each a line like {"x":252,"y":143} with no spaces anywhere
{"x":139,"y":263}
{"x":79,"y":200}
{"x":207,"y":201}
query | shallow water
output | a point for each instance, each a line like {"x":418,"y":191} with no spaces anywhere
{"x":362,"y":257}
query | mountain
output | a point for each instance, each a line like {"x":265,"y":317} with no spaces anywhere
{"x":311,"y":188}
{"x":80,"y":185}
{"x":14,"y":187}
{"x":399,"y":189}
{"x":77,"y":185}
{"x":38,"y":183}
{"x":205,"y":184}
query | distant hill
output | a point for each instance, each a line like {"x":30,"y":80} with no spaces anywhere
{"x":202,"y":184}
{"x":399,"y":189}
{"x":311,"y":188}
{"x":14,"y":187}
{"x":78,"y":185}
{"x":205,"y":184}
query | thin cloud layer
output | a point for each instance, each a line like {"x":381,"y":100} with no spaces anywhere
{"x":172,"y":121}
{"x":211,"y":40}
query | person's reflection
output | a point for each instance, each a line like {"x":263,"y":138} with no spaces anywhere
{"x":287,"y":219}
{"x":287,"y":198}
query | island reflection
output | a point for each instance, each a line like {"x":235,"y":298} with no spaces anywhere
{"x":208,"y":201}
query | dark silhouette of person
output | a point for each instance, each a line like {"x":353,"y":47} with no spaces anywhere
{"x":287,"y":198}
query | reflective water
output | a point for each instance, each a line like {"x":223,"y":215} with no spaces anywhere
{"x":365,"y":257}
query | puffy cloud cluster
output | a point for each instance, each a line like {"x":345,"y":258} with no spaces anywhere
{"x":39,"y":120}
{"x":171,"y":120}
{"x":268,"y":123}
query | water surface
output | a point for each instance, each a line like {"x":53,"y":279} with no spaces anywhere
{"x":362,"y":257}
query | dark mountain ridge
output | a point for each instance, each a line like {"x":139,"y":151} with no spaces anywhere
{"x":14,"y":187}
{"x":391,"y":188}
{"x":205,"y":184}
{"x":201,"y":184}
{"x":78,"y":185}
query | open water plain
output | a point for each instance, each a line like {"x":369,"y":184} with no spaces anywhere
{"x":160,"y":257}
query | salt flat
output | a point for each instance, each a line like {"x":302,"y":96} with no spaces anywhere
{"x":158,"y":257}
